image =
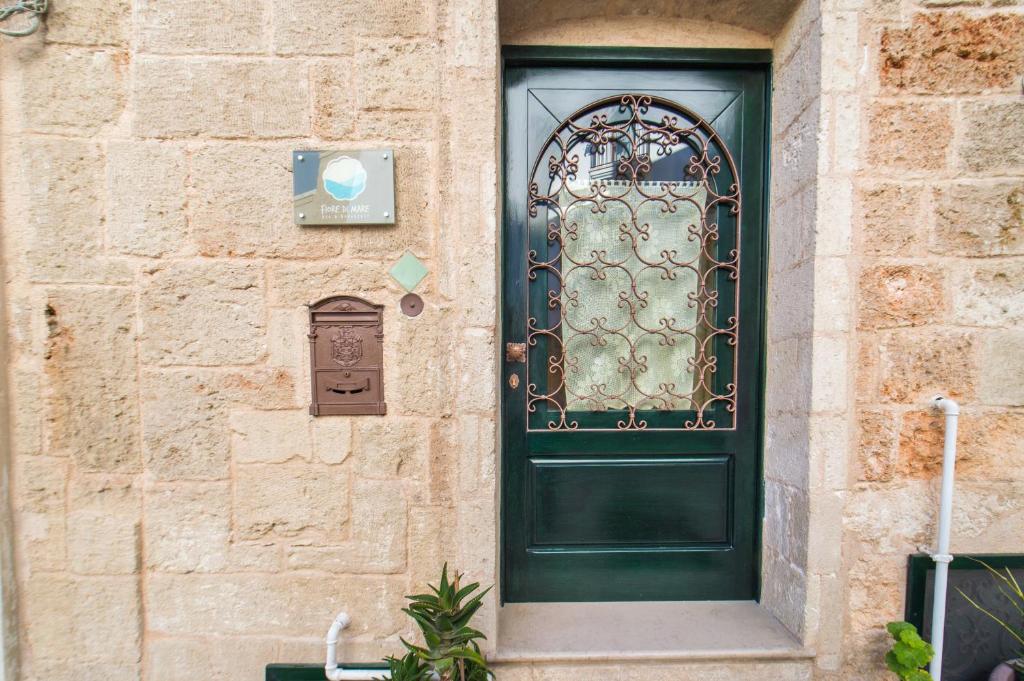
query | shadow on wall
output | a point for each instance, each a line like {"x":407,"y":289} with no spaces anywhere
{"x":695,"y":23}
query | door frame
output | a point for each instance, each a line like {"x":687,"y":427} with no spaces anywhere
{"x":655,"y":58}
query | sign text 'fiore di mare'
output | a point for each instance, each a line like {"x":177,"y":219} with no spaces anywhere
{"x":344,"y":187}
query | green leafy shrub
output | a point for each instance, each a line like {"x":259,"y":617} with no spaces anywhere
{"x":450,"y":651}
{"x":909,"y":653}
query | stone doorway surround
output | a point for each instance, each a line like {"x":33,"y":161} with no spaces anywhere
{"x":808,"y":421}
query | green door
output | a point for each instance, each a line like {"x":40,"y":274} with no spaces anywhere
{"x":632,"y":303}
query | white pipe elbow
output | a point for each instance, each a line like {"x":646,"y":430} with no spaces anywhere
{"x":946,"y":405}
{"x":333,"y":634}
{"x":331,"y":670}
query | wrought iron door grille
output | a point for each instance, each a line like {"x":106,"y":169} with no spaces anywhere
{"x":633,"y":272}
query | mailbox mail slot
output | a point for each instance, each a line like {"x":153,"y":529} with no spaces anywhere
{"x":346,"y":351}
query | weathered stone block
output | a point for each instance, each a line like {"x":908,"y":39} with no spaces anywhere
{"x":379,"y":531}
{"x":188,"y":529}
{"x":270,"y":436}
{"x":1002,"y":368}
{"x":791,"y":293}
{"x":391,"y":448}
{"x":785,"y":521}
{"x":333,"y":104}
{"x":873,"y":512}
{"x":797,"y":83}
{"x":104,"y":525}
{"x":299,"y":283}
{"x":223,"y":97}
{"x":876,"y":445}
{"x":891,"y":214}
{"x":990,"y":445}
{"x":841,"y":50}
{"x":397,"y":74}
{"x":73,"y":88}
{"x":251,"y":211}
{"x":89,"y":22}
{"x":476,"y":354}
{"x":63,"y":235}
{"x":952,"y":52}
{"x":910,"y":136}
{"x":40,"y":504}
{"x":989,"y":514}
{"x":989,"y":295}
{"x":833,"y":282}
{"x":174,"y":659}
{"x":789,"y":386}
{"x":202,"y":313}
{"x":830,"y":357}
{"x":795,"y":153}
{"x":989,"y":131}
{"x":430,"y":534}
{"x":419,"y":377}
{"x":395,"y":126}
{"x":272,"y":604}
{"x":975,"y":219}
{"x":90,"y":365}
{"x":914,"y":367}
{"x":264,"y":388}
{"x":60,"y":608}
{"x":332,"y":439}
{"x":900,"y":295}
{"x":876,"y":586}
{"x":325,"y":27}
{"x":209,"y":26}
{"x":993,"y":447}
{"x":146,"y":199}
{"x":290,"y":499}
{"x":185,"y":425}
{"x":787,"y":449}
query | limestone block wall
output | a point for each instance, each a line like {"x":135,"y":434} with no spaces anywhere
{"x":177,"y":512}
{"x":938,"y":276}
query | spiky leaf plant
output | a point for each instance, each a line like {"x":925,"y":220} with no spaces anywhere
{"x":408,"y":668}
{"x":450,"y":649}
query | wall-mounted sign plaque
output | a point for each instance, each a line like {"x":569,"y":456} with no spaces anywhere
{"x":344,"y":187}
{"x":346,"y":356}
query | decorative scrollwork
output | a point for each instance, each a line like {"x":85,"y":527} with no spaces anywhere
{"x":633,"y":270}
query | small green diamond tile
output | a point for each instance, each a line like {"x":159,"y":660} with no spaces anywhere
{"x":408,"y":271}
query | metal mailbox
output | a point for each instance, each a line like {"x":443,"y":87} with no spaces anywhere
{"x":346,"y":353}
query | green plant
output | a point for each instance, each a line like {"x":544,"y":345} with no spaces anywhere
{"x":1010,"y":588}
{"x":450,"y":649}
{"x":909,"y":653}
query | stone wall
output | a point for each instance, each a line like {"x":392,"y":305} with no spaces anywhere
{"x":938,"y":235}
{"x":165,"y":472}
{"x":179,"y":514}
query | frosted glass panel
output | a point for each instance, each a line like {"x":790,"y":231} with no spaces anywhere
{"x":631,"y":280}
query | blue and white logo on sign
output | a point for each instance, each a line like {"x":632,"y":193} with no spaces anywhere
{"x":344,"y":178}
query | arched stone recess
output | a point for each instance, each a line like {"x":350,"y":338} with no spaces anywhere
{"x":813,"y":145}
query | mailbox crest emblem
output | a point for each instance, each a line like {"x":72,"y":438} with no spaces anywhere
{"x":346,"y":346}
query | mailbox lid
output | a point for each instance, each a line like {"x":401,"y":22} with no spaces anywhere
{"x":349,"y":386}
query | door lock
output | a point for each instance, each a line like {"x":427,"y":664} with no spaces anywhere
{"x":515,"y":352}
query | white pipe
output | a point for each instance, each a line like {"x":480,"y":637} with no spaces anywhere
{"x":942,"y":556}
{"x":331,"y":670}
